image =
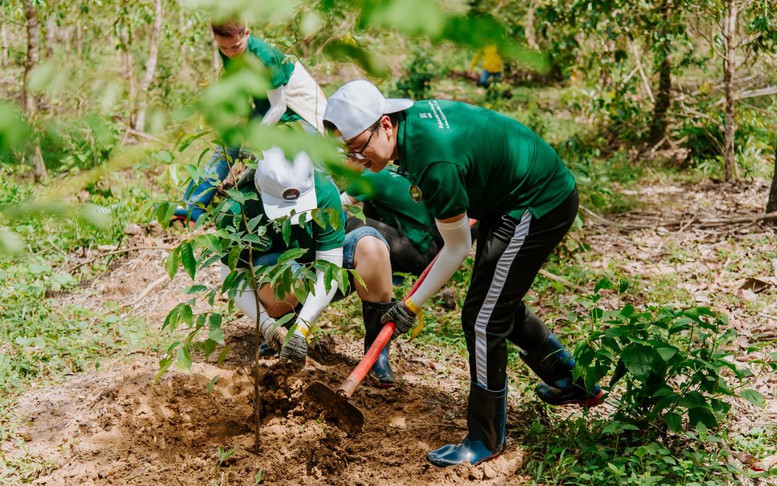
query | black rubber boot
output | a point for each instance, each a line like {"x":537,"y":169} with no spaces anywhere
{"x":553,"y":364}
{"x":486,"y":416}
{"x":372,"y":312}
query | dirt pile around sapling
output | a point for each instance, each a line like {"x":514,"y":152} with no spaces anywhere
{"x":118,"y":427}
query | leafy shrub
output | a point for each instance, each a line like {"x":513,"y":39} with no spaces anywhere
{"x":419,"y":72}
{"x":672,"y":363}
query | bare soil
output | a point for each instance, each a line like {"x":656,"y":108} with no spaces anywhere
{"x":117,"y":426}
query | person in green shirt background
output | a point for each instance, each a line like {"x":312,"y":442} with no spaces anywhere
{"x":295,"y":98}
{"x":469,"y":162}
{"x":388,"y":207}
{"x":283,"y":186}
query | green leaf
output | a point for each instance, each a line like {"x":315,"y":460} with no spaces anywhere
{"x":196,"y":289}
{"x":188,"y":260}
{"x":222,"y":356}
{"x":208,"y":347}
{"x":183,"y":360}
{"x":291,"y":254}
{"x":286,"y":231}
{"x":164,"y":365}
{"x":702,"y":416}
{"x":236,"y":195}
{"x":318,"y":217}
{"x":603,"y":284}
{"x":254,"y":222}
{"x":639,"y":360}
{"x":216,"y":335}
{"x":188,"y":141}
{"x":211,"y":384}
{"x":210,"y":261}
{"x":667,"y":353}
{"x":753,"y":397}
{"x":171,"y":264}
{"x":335,"y":217}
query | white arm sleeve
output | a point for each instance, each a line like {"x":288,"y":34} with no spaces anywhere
{"x":277,"y":99}
{"x":347,"y":200}
{"x":245,"y":300}
{"x":457,"y":242}
{"x":315,"y":303}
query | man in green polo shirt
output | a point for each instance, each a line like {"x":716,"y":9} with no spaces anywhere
{"x":282,"y":186}
{"x":294,"y":97}
{"x":469,"y":162}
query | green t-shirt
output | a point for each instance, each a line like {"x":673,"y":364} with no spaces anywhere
{"x":467,"y":158}
{"x":310,"y":236}
{"x":388,"y":192}
{"x":279,"y":68}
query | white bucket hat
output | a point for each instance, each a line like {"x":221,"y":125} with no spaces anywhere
{"x":357,"y":105}
{"x":285,"y":185}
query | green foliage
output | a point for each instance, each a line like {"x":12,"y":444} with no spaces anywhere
{"x":13,"y":130}
{"x":597,"y":451}
{"x":671,"y":379}
{"x":672,"y":365}
{"x":419,"y":72}
{"x":42,"y":337}
{"x":236,"y":243}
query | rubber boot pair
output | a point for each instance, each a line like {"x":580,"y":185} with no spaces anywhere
{"x":486,"y":416}
{"x":372,"y":312}
{"x":553,"y":364}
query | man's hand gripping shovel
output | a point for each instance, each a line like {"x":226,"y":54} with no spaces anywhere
{"x":337,"y":403}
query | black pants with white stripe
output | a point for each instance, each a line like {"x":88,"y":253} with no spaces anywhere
{"x":508,"y":257}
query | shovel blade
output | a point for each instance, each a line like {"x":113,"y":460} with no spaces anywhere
{"x":337,"y":406}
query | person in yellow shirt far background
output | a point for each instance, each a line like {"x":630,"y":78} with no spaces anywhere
{"x":492,"y":65}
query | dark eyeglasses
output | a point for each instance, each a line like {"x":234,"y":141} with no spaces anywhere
{"x":359,"y":154}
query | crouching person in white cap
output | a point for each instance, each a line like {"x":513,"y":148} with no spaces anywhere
{"x":285,"y":185}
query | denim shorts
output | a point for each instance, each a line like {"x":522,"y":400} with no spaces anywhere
{"x":352,"y":238}
{"x":349,"y":248}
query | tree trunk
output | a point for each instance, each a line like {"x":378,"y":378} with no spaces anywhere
{"x":183,"y":27}
{"x":30,"y":104}
{"x":771,"y":205}
{"x":39,"y":171}
{"x":658,"y":126}
{"x":33,"y":48}
{"x":129,"y":69}
{"x":51,"y":36}
{"x":216,"y":59}
{"x":4,"y":40}
{"x":153,"y":50}
{"x":79,"y":42}
{"x":729,"y":72}
{"x":529,"y":31}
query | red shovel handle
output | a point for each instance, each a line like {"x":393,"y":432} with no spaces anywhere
{"x":364,"y":366}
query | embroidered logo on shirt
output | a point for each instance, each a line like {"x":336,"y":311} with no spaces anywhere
{"x":415,"y":193}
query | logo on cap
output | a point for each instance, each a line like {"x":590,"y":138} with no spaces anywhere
{"x":291,"y":194}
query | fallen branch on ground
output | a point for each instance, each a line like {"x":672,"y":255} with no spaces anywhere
{"x":119,"y":251}
{"x":684,"y":224}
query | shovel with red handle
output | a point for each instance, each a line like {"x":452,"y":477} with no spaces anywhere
{"x":337,"y":403}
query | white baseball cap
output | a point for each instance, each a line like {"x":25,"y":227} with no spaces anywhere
{"x":357,"y":105}
{"x":285,"y":185}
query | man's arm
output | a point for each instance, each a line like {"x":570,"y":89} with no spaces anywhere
{"x":277,"y":99}
{"x":457,"y":242}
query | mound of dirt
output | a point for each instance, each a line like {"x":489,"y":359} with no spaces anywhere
{"x":119,"y":427}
